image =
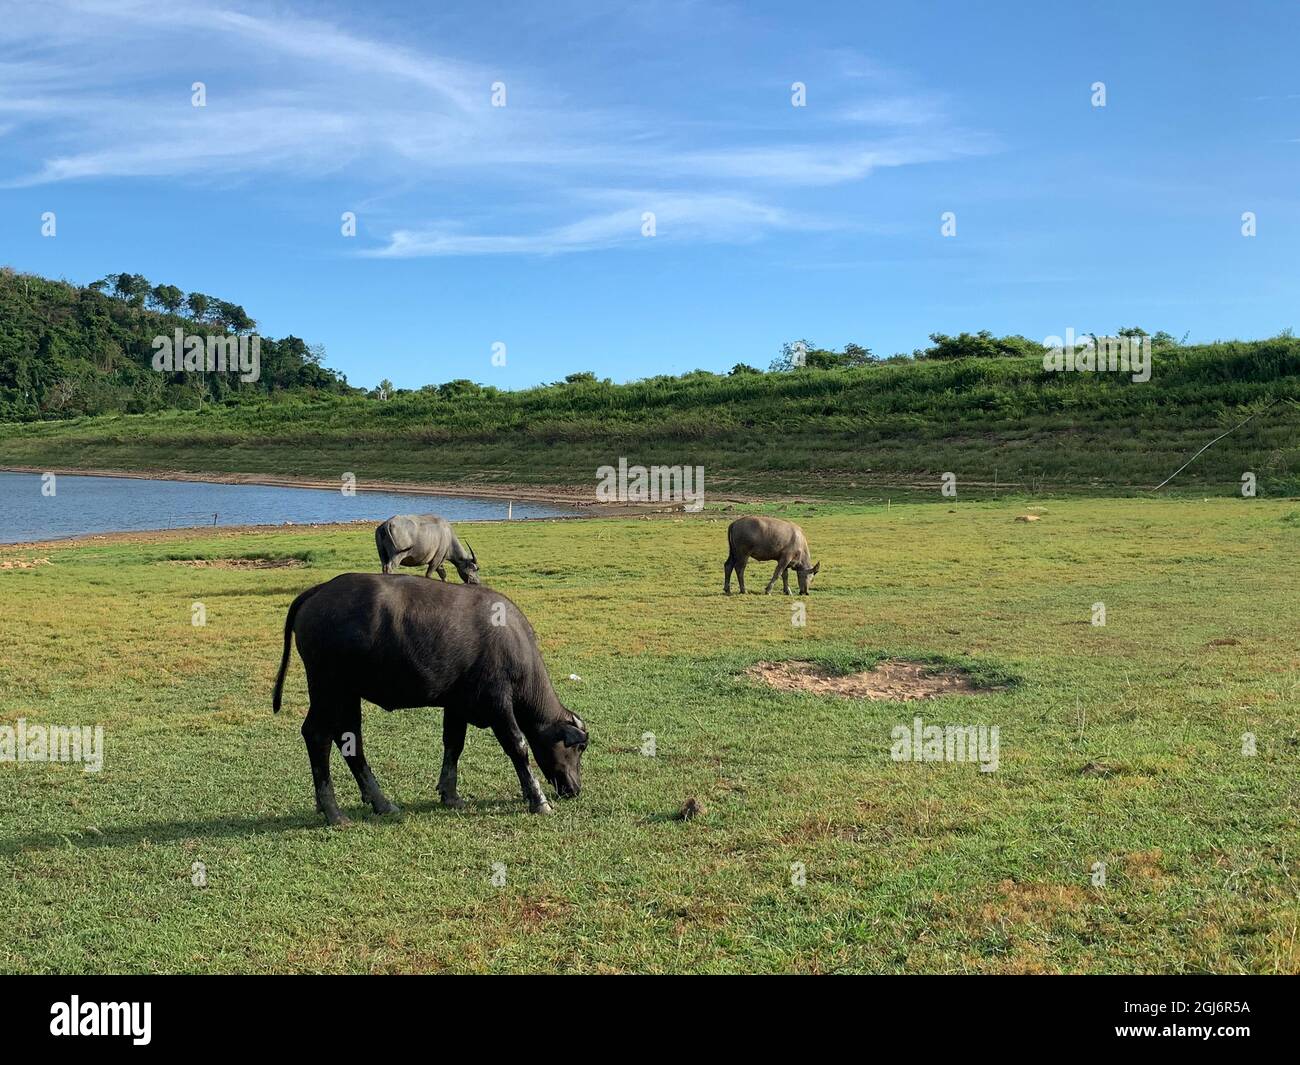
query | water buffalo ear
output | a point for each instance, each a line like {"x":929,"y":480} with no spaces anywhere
{"x":816,"y":568}
{"x":573,"y":736}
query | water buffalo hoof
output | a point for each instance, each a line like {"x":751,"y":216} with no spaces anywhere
{"x":337,"y":820}
{"x":384,"y":806}
{"x":454,"y":802}
{"x":543,"y":807}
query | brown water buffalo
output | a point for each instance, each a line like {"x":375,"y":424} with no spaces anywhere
{"x":766,"y":539}
{"x":403,"y":641}
{"x":424,"y":540}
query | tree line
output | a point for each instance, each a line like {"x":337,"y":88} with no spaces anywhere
{"x":797,"y":354}
{"x":68,"y":350}
{"x":135,"y":290}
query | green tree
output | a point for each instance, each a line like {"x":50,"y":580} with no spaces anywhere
{"x":231,"y":316}
{"x":981,"y":345}
{"x":167,"y":298}
{"x":197,"y":303}
{"x":131,"y":288}
{"x":800,"y":353}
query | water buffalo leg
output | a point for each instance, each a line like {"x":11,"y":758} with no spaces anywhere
{"x":453,"y":742}
{"x":348,"y":739}
{"x":785,"y":579}
{"x":317,"y":733}
{"x":741,"y":563}
{"x":512,"y":742}
{"x":780,"y":568}
{"x":442,"y":573}
{"x":726,"y":576}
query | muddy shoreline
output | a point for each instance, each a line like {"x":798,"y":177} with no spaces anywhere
{"x":561,"y":495}
{"x":580,"y":498}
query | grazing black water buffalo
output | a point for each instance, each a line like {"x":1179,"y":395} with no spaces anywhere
{"x":403,"y":641}
{"x":766,"y":539}
{"x":424,"y":540}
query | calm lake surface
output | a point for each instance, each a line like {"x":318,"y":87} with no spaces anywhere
{"x":83,"y":505}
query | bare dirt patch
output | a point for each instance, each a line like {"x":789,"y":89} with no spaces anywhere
{"x":896,"y":681}
{"x":23,"y":563}
{"x":239,"y":563}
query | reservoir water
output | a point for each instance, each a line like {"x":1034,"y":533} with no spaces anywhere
{"x":82,"y":505}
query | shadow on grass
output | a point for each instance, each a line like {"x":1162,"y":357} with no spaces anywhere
{"x":236,"y":827}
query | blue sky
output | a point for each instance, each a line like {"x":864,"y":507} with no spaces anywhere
{"x":522,"y":224}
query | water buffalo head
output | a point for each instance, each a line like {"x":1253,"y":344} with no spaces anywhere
{"x":806,"y":575}
{"x":467,"y":567}
{"x":559,"y":755}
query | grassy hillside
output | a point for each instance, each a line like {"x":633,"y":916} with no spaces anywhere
{"x":69,"y":350}
{"x":1120,"y":745}
{"x":807,"y":431}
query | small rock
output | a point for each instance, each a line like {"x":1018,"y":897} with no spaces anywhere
{"x":574,"y":676}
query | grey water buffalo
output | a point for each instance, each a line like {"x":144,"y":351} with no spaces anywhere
{"x":766,"y":539}
{"x":402,"y":641}
{"x":424,"y":540}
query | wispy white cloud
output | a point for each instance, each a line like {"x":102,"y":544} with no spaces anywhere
{"x":809,"y":164}
{"x":675,"y":217}
{"x":299,"y":98}
{"x":894,"y":111}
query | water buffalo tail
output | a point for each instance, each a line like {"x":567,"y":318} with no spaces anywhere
{"x":288,"y":645}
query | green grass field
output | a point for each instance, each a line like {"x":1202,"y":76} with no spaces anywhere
{"x":1120,"y":745}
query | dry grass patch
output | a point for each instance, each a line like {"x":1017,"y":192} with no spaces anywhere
{"x":1146,"y":868}
{"x":238,"y":563}
{"x":1037,"y":903}
{"x":892,"y":681}
{"x":24,"y":563}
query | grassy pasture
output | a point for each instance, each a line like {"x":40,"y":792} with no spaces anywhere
{"x":910,"y":867}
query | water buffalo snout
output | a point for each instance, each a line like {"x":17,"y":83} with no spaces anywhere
{"x":565,"y":788}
